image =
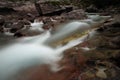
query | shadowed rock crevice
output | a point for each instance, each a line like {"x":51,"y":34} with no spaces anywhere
{"x":6,"y":10}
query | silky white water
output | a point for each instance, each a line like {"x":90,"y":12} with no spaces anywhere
{"x":23,"y":55}
{"x":33,"y":51}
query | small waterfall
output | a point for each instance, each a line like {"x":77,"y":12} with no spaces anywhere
{"x":20,"y":56}
{"x":37,"y":50}
{"x":77,"y":27}
{"x":37,"y":26}
{"x":68,"y":30}
{"x":39,"y":39}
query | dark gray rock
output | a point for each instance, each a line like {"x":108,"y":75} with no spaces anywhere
{"x":75,"y":15}
{"x":2,"y":21}
{"x":91,"y":9}
{"x":6,"y":10}
{"x":8,"y":24}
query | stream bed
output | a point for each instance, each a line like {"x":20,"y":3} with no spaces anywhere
{"x":94,"y":59}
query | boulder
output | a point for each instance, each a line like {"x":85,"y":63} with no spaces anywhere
{"x":91,"y":9}
{"x":75,"y":15}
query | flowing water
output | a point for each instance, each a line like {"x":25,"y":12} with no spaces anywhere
{"x":37,"y":50}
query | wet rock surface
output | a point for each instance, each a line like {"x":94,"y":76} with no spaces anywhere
{"x":107,"y":52}
{"x":75,"y":15}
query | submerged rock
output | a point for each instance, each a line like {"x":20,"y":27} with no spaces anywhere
{"x":19,"y":34}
